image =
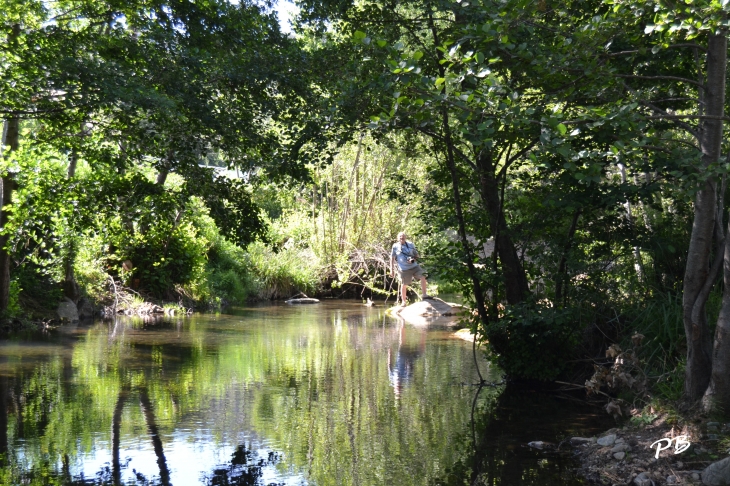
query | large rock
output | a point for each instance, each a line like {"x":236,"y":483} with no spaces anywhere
{"x":67,"y":310}
{"x":717,"y":473}
{"x":429,"y":312}
{"x":86,"y":309}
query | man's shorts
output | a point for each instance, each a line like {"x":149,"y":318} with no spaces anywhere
{"x":407,"y":276}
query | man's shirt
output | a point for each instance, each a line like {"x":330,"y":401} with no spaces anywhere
{"x":402,"y":253}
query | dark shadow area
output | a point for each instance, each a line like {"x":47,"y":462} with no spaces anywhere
{"x":496,"y":450}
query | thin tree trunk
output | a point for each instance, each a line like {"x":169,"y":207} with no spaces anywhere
{"x":346,"y":212}
{"x":697,"y":272}
{"x":638,"y":263}
{"x":12,"y":140}
{"x":514,"y":274}
{"x":451,"y":163}
{"x":70,"y":287}
{"x":562,"y":280}
{"x":717,"y":394}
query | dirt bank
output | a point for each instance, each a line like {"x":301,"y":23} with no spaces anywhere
{"x":628,"y":455}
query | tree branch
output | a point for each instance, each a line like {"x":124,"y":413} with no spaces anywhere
{"x":671,"y":78}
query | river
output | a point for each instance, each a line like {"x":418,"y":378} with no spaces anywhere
{"x":328,"y":394}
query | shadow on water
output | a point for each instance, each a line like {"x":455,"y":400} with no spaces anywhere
{"x":495,"y":452}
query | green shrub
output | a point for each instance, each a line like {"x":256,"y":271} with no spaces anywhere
{"x":285,"y":273}
{"x":533,"y":340}
{"x":229,"y":273}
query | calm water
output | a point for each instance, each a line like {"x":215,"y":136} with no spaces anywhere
{"x":328,"y":394}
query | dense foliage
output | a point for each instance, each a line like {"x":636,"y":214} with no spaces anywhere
{"x":560,"y":163}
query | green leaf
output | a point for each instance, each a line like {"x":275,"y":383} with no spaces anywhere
{"x":562,"y":128}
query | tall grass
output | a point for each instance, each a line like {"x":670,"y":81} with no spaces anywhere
{"x":660,"y":321}
{"x":282,"y":274}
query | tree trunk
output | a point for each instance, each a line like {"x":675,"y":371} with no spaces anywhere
{"x":451,"y":164}
{"x":12,"y":141}
{"x":717,"y":395}
{"x":70,"y":286}
{"x":514,"y":274}
{"x":697,"y":272}
{"x":561,"y":282}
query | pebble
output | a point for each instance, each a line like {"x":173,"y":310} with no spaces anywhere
{"x":680,"y":464}
{"x":642,"y":480}
{"x":538,"y":444}
{"x":620,"y":440}
{"x":621,"y":448}
{"x":671,"y":479}
{"x":619,"y":456}
{"x":607,"y":440}
{"x":696,"y":476}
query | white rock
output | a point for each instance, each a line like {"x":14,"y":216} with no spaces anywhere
{"x":607,"y":440}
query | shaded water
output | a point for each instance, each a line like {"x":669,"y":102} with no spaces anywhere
{"x":330,"y":394}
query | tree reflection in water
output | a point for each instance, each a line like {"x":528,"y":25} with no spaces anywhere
{"x":244,"y":469}
{"x":497,"y":454}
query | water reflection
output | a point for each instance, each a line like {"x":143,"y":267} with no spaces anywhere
{"x":401,"y":361}
{"x":497,"y":452}
{"x":335,"y":394}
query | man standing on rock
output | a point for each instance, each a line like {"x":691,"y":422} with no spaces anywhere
{"x":405,"y":253}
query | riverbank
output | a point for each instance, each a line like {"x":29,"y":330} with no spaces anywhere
{"x":627,"y":455}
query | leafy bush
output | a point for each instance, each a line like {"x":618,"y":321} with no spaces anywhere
{"x":228,"y":273}
{"x":533,"y":339}
{"x":283,"y":274}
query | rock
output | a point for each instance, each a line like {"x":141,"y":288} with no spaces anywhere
{"x":607,"y":440}
{"x":620,"y":440}
{"x":717,"y":473}
{"x":619,"y":456}
{"x":86,"y":310}
{"x":713,"y":437}
{"x":643,"y":479}
{"x":538,"y":444}
{"x":713,"y":424}
{"x":429,"y":312}
{"x":577,"y":441}
{"x":67,"y":310}
{"x":696,"y":476}
{"x":621,"y":448}
{"x":464,"y":334}
{"x":303,"y":300}
{"x":679,"y":465}
{"x":672,"y":479}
